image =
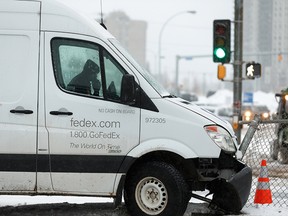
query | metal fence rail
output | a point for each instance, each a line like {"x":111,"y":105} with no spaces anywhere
{"x":270,"y":143}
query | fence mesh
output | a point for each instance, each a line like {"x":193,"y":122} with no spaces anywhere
{"x":270,"y":142}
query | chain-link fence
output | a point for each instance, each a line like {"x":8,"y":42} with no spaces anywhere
{"x":270,"y":143}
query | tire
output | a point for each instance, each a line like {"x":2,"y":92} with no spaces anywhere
{"x":283,"y":155}
{"x":156,"y":188}
{"x":274,"y":149}
{"x":283,"y":146}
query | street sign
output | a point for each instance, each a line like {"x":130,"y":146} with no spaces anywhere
{"x":248,"y":97}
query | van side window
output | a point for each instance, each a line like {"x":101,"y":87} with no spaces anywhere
{"x":113,"y":77}
{"x":86,"y":68}
{"x":77,"y":66}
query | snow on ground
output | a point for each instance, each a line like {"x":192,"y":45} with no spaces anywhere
{"x":263,"y":210}
{"x":267,"y":99}
{"x":225,"y":97}
{"x":20,"y":200}
{"x":221,"y":97}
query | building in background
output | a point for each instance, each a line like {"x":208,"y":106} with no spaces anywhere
{"x":265,"y":40}
{"x":130,"y":33}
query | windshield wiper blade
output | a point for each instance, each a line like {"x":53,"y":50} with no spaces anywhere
{"x":170,"y":96}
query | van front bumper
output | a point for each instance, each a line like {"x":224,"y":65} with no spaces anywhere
{"x":232,"y":194}
{"x":228,"y":179}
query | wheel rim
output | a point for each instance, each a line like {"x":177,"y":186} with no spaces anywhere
{"x":151,"y":195}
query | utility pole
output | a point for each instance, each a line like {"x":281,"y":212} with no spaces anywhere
{"x":237,"y":88}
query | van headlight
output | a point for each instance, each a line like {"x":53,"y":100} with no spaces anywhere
{"x":221,"y":137}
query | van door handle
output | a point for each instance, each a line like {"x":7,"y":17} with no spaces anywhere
{"x":61,"y":113}
{"x":21,"y":111}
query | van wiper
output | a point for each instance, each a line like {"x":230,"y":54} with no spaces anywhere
{"x":169,"y":96}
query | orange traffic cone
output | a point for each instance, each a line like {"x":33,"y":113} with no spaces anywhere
{"x":263,"y":192}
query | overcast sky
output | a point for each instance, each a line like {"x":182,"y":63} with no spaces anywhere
{"x":185,"y":34}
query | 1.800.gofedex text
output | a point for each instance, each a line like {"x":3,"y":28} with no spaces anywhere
{"x":92,"y":134}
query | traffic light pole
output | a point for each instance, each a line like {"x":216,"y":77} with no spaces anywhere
{"x":237,"y":88}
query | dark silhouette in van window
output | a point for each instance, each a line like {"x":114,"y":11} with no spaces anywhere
{"x":86,"y":82}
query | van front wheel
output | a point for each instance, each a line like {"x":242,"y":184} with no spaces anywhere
{"x":156,"y":188}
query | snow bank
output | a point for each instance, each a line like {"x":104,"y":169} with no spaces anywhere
{"x":224,"y":97}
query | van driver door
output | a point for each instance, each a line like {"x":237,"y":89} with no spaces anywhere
{"x":90,"y":130}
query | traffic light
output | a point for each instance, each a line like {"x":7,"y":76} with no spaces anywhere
{"x":221,"y":41}
{"x":253,"y":70}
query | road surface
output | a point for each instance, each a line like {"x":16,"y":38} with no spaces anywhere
{"x":87,"y":209}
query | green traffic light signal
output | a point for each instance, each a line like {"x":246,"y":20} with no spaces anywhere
{"x":221,"y":41}
{"x":220,"y":53}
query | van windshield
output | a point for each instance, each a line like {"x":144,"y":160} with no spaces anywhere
{"x":150,"y":79}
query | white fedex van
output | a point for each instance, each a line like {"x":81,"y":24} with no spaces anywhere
{"x":78,"y":116}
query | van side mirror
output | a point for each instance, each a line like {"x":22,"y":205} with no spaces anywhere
{"x":128,"y":94}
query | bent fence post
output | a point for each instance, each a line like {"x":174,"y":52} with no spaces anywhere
{"x":249,"y":134}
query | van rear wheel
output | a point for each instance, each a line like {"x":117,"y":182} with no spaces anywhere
{"x":156,"y":188}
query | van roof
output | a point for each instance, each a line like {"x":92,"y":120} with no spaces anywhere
{"x":56,"y":16}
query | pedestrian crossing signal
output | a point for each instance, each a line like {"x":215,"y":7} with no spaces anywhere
{"x":253,"y":70}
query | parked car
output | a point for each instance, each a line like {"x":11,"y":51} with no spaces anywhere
{"x":249,"y":111}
